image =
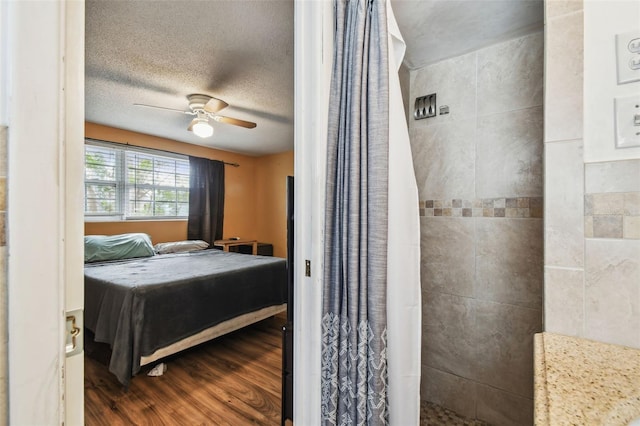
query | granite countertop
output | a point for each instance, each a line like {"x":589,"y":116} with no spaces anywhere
{"x":583,"y":382}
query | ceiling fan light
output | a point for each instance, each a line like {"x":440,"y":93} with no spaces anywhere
{"x":203,"y":129}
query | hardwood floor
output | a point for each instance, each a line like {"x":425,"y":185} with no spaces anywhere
{"x":232,"y":380}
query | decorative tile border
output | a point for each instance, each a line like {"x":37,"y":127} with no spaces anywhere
{"x":521,"y":207}
{"x":612,"y":215}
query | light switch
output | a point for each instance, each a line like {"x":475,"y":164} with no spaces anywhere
{"x":627,"y":112}
{"x":628,"y":56}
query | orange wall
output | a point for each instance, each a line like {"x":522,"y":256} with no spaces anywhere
{"x":271,"y":199}
{"x":240,"y":200}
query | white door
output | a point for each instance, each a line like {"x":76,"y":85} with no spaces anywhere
{"x":43,"y":67}
{"x":73,"y":189}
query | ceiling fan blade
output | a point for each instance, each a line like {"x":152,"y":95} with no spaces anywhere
{"x":194,"y":121}
{"x":234,"y":121}
{"x":214,"y":105}
{"x":167,"y":109}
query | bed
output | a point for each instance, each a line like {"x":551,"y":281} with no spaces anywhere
{"x":152,"y":307}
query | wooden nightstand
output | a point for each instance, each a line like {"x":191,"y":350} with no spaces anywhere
{"x":225,"y":244}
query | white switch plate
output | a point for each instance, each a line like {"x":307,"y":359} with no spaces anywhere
{"x":628,"y":56}
{"x":627,"y":134}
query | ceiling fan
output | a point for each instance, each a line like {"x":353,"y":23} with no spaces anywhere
{"x":205,"y":108}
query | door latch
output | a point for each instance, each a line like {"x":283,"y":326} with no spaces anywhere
{"x":74,"y":335}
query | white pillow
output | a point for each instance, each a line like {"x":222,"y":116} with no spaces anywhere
{"x":180,"y":246}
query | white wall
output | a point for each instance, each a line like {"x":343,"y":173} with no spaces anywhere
{"x":602,"y":21}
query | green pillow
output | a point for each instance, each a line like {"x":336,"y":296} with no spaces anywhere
{"x":114,"y":247}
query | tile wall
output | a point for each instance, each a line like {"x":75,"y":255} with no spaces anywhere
{"x":479,"y":173}
{"x":592,"y":210}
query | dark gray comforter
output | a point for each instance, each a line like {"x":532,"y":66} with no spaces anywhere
{"x":140,"y":305}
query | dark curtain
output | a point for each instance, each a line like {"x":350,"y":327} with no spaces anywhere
{"x":354,"y":321}
{"x":206,"y":199}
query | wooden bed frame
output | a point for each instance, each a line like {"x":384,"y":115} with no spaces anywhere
{"x":212,"y":332}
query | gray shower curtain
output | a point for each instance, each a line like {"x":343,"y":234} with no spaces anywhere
{"x":354,"y":322}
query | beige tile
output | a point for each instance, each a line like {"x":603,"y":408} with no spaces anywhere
{"x":509,"y":154}
{"x":515,"y":213}
{"x":509,"y":261}
{"x":632,"y":203}
{"x":607,"y":203}
{"x":504,"y":339}
{"x":564,"y":301}
{"x":523,"y":202}
{"x":561,"y":7}
{"x":588,"y":226}
{"x":447,"y":255}
{"x":612,"y":291}
{"x":564,"y":204}
{"x":502,"y":408}
{"x":609,"y":226}
{"x":631,"y":227}
{"x":510,"y":75}
{"x":3,"y":230}
{"x":449,"y":391}
{"x":448,"y":333}
{"x":563,"y":78}
{"x":444,"y":158}
{"x":3,"y":150}
{"x":454,"y":82}
{"x":3,"y":194}
{"x":612,"y":176}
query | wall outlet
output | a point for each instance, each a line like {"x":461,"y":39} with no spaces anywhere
{"x":627,"y":111}
{"x":628,"y":56}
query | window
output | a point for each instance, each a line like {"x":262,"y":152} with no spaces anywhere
{"x":134,"y":183}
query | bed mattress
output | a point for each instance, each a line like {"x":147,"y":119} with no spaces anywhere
{"x":140,"y":305}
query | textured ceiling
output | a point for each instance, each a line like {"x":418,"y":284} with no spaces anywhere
{"x":438,"y":29}
{"x":158,"y":52}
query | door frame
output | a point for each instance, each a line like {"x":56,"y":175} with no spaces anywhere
{"x":313,"y":41}
{"x":43,"y":91}
{"x":35,"y":74}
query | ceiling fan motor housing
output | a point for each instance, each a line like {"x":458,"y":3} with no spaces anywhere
{"x":197,"y":102}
